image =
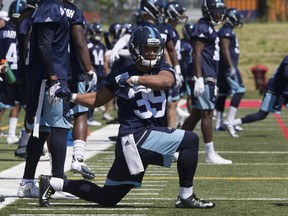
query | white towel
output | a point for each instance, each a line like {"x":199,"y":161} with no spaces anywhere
{"x":39,"y":109}
{"x":131,"y":155}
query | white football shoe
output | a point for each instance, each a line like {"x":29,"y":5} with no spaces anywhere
{"x":231,"y":129}
{"x":12,"y":140}
{"x":28,"y":190}
{"x":216,"y":159}
{"x":78,"y":166}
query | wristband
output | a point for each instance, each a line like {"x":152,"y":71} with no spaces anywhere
{"x":177,"y":69}
{"x":73,"y":98}
{"x":135,"y":80}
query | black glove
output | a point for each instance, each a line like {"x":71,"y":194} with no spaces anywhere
{"x":64,"y":93}
{"x":121,"y":80}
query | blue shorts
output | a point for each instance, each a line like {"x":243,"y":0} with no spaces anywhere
{"x":174,"y":94}
{"x":51,"y":116}
{"x":228,"y":86}
{"x":272,"y":102}
{"x":207,"y":100}
{"x":78,"y":87}
{"x":155,"y":145}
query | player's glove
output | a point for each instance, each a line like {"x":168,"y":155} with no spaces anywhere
{"x":53,"y":86}
{"x":64,"y":93}
{"x":121,"y":80}
{"x":199,"y":86}
{"x":178,"y":76}
{"x":231,"y":72}
{"x":90,"y":79}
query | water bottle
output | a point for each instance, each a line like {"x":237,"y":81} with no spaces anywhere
{"x":8,"y":73}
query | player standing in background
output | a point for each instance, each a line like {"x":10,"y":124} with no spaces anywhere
{"x":229,"y":80}
{"x":16,"y":97}
{"x":81,"y":68}
{"x":205,"y":43}
{"x":48,"y":68}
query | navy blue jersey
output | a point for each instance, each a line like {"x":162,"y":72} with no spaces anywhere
{"x":278,"y":83}
{"x":97,"y":54}
{"x":49,"y":12}
{"x":8,"y":45}
{"x":210,"y":54}
{"x":75,"y":17}
{"x":186,"y":56}
{"x":138,"y":107}
{"x":226,"y":31}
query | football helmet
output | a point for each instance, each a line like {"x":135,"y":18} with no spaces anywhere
{"x":146,"y":47}
{"x":136,"y":17}
{"x":96,"y":31}
{"x":126,"y":28}
{"x":234,"y":17}
{"x":186,"y":30}
{"x":175,"y":11}
{"x":16,"y":8}
{"x":152,"y":7}
{"x":213,"y":11}
{"x":115,"y":30}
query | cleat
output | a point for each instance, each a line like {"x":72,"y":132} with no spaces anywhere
{"x":107,"y":116}
{"x":2,"y":199}
{"x":238,"y":128}
{"x":221,"y":128}
{"x":231,"y":130}
{"x":78,"y":166}
{"x":92,"y":122}
{"x":46,"y":190}
{"x":28,"y":190}
{"x":20,"y":152}
{"x":216,"y":159}
{"x":193,"y":202}
{"x":12,"y":140}
{"x":113,"y":138}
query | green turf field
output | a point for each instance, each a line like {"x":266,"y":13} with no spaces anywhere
{"x":255,"y":184}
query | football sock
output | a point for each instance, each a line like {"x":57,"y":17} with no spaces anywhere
{"x":57,"y":183}
{"x":12,"y":126}
{"x":24,"y":181}
{"x":231,"y":113}
{"x":236,"y":122}
{"x":209,"y":148}
{"x":219,"y":119}
{"x":79,"y":147}
{"x":185,"y":192}
{"x":24,"y":139}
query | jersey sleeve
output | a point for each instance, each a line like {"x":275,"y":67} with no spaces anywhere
{"x":50,"y":13}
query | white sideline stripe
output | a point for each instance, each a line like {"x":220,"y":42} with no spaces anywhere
{"x":217,"y":198}
{"x":250,"y":152}
{"x":82,"y":209}
{"x":249,"y":164}
{"x":11,"y":178}
{"x":91,"y":204}
{"x":78,"y":214}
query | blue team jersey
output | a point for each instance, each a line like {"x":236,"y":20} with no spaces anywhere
{"x":226,"y":31}
{"x":186,"y":56}
{"x":210,"y":54}
{"x":50,"y":11}
{"x":97,"y":54}
{"x":278,"y":83}
{"x":138,"y":107}
{"x":8,"y":45}
{"x":22,"y":30}
{"x":75,"y":17}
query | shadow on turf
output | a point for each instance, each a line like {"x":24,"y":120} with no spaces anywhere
{"x":279,"y":204}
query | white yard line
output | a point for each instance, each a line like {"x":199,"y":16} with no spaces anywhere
{"x":10,"y":178}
